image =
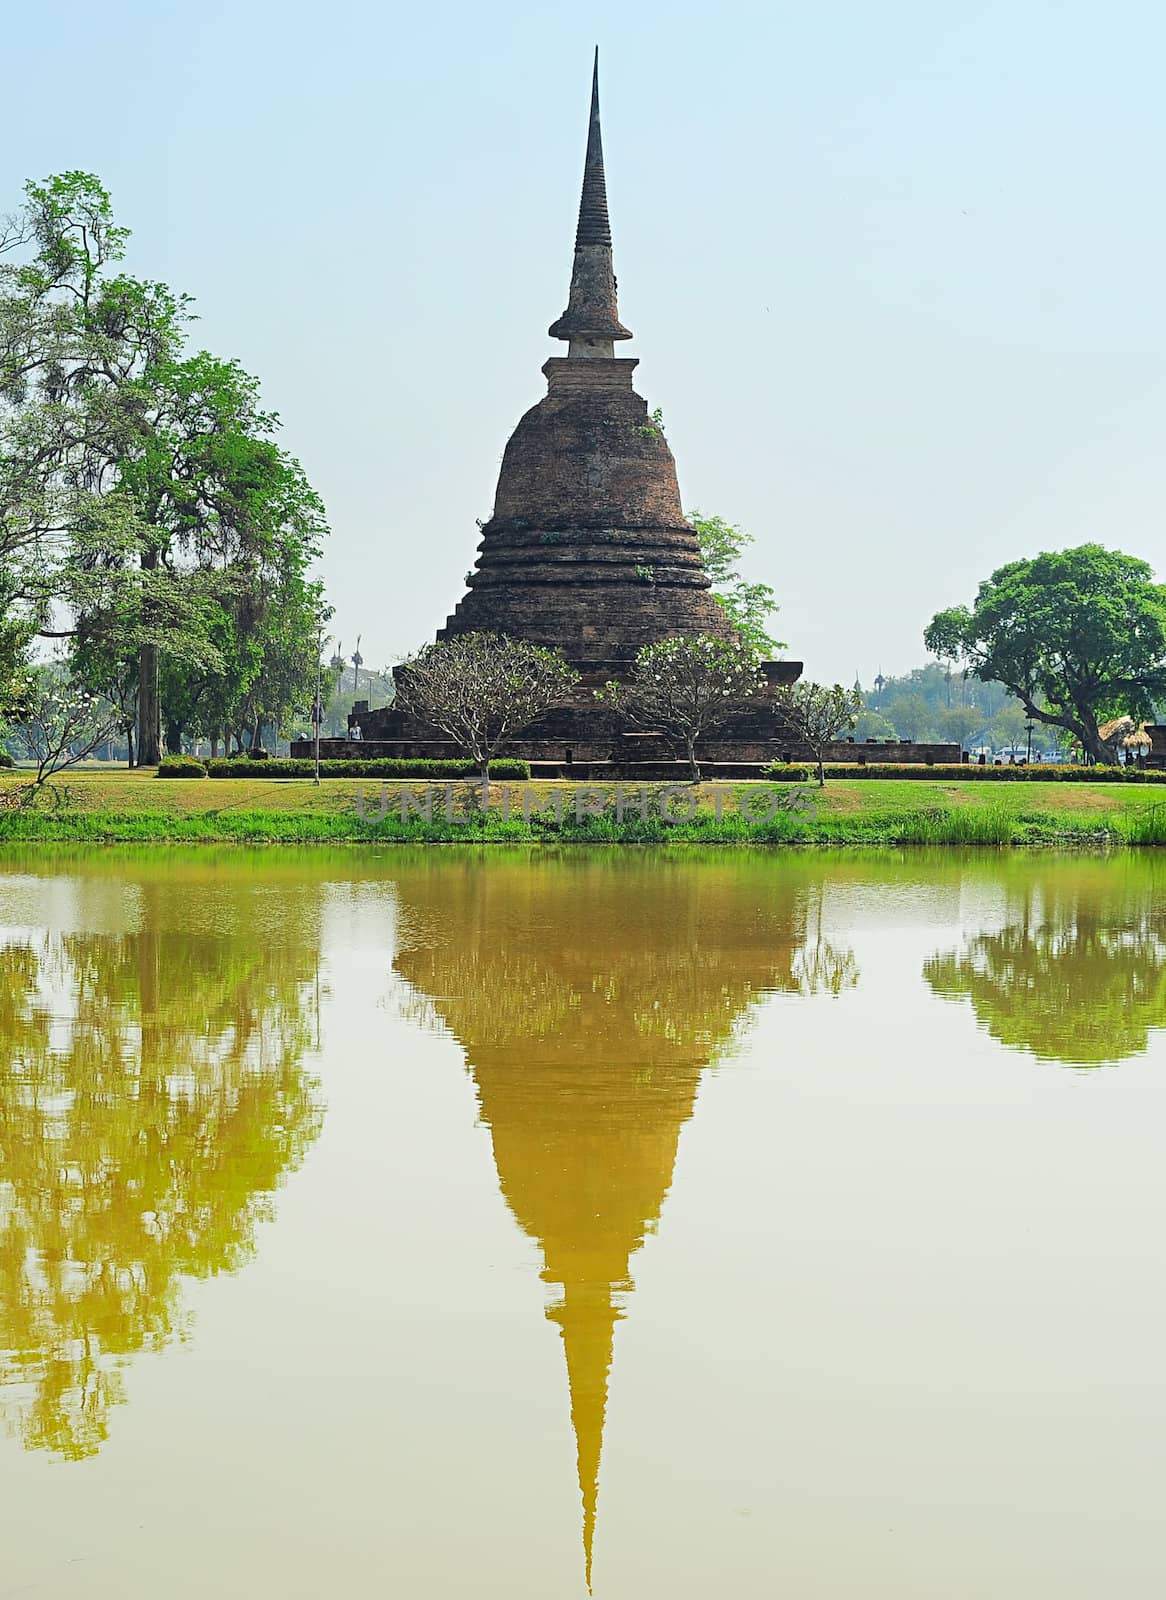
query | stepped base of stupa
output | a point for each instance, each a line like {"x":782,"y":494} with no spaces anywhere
{"x":585,"y":738}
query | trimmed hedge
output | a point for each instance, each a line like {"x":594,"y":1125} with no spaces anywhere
{"x":181,"y":767}
{"x":968,"y":773}
{"x":388,"y":768}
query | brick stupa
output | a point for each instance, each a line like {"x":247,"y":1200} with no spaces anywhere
{"x":588,"y":549}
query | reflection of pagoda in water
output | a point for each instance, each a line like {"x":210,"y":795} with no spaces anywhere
{"x":589,"y":997}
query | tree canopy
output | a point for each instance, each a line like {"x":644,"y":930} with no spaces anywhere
{"x":684,"y":687}
{"x":748,"y":605}
{"x":1078,"y":636}
{"x":480,"y":689}
{"x":147,"y":515}
{"x":817,"y":713}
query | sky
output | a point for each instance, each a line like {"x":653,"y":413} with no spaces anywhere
{"x":895,"y":272}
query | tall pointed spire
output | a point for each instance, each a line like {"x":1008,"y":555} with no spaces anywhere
{"x":591,"y":321}
{"x":594,"y":222}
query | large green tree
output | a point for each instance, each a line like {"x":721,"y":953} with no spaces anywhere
{"x":1078,"y":636}
{"x":142,"y":494}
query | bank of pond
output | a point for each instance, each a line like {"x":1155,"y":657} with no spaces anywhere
{"x":129,"y":806}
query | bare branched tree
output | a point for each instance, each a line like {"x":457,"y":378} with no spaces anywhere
{"x":817,"y":713}
{"x":62,"y":722}
{"x":481,"y":689}
{"x":682,"y":688}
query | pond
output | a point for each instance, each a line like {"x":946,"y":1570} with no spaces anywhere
{"x":506,"y":1224}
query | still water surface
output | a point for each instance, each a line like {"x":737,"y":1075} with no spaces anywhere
{"x":489,"y":1224}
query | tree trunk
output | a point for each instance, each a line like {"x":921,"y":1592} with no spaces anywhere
{"x":130,"y":745}
{"x":693,"y":766}
{"x":214,"y":747}
{"x":821,"y":771}
{"x":149,"y":696}
{"x":1093,"y":744}
{"x":149,"y":709}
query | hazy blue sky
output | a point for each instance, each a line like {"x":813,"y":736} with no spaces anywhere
{"x":895,"y":272}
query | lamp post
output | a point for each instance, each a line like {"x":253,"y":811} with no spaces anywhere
{"x":1028,"y":726}
{"x":357,"y":663}
{"x":318,"y":708}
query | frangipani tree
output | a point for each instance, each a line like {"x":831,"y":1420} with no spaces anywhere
{"x":61,"y":721}
{"x":684,"y":687}
{"x":481,"y":689}
{"x":817,"y":713}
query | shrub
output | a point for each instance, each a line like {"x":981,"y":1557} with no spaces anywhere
{"x":6,"y":759}
{"x":784,"y":772}
{"x":974,"y":774}
{"x":384,"y":768}
{"x":181,"y":767}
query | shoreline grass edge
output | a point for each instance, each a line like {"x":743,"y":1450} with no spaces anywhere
{"x":101,"y":808}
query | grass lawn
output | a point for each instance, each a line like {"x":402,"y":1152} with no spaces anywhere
{"x":130,"y":805}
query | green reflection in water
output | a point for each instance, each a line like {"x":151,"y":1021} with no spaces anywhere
{"x":1077,"y":973}
{"x":151,"y":1099}
{"x":589,"y":994}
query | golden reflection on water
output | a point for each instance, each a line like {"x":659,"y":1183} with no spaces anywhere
{"x":588,"y":1003}
{"x":156,"y":1014}
{"x":151,"y":1098}
{"x":1077,"y":972}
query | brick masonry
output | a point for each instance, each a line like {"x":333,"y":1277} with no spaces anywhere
{"x":588,"y":549}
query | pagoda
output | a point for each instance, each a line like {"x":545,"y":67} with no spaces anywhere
{"x":588,"y":549}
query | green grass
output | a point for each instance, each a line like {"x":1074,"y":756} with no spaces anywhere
{"x":100,"y":807}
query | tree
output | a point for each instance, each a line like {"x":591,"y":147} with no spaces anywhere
{"x":817,"y":714}
{"x":61,"y":721}
{"x":1078,"y":636}
{"x":960,"y":724}
{"x":747,"y":605}
{"x":129,"y":469}
{"x":287,"y":630}
{"x":220,"y":496}
{"x":377,"y":687}
{"x":873,"y":725}
{"x":77,"y":342}
{"x":684,"y":687}
{"x":1007,"y":729}
{"x":911,"y":715}
{"x":481,"y":689}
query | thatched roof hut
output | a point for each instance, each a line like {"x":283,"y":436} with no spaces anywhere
{"x":1126,"y":732}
